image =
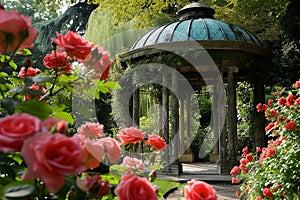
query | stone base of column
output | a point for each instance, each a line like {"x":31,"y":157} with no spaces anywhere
{"x":224,"y":167}
{"x":171,"y":169}
{"x":214,"y":157}
{"x":187,"y":158}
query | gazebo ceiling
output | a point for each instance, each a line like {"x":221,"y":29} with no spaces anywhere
{"x":196,"y":23}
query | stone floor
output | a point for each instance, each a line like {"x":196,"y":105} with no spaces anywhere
{"x":206,"y":172}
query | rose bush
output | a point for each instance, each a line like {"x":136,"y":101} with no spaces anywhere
{"x":42,"y":155}
{"x":273,"y":172}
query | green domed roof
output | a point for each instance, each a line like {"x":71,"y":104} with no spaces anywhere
{"x":196,"y":23}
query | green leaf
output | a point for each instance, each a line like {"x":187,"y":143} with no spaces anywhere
{"x":19,"y":190}
{"x":17,"y":89}
{"x":41,"y":78}
{"x":112,"y":85}
{"x":34,"y":107}
{"x":25,"y":52}
{"x":13,"y":64}
{"x":102,"y":89}
{"x":64,"y":115}
{"x":9,"y":104}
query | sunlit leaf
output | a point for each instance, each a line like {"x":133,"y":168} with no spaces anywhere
{"x":34,"y":107}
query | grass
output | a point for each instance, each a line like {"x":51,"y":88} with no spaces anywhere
{"x":166,"y":186}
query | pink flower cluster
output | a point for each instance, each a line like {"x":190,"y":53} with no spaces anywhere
{"x":48,"y":156}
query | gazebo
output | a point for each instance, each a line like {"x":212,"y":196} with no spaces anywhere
{"x":195,"y":51}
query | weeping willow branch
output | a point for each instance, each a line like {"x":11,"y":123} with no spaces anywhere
{"x":75,"y":19}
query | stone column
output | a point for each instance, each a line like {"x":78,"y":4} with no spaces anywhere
{"x":176,"y":166}
{"x":181,"y":126}
{"x":175,"y":118}
{"x":232,"y":116}
{"x":188,"y":155}
{"x":136,"y":116}
{"x":188,"y":123}
{"x":165,"y":128}
{"x":216,"y":129}
{"x":136,"y":108}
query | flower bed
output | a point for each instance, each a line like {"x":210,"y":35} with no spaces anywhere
{"x":273,"y":172}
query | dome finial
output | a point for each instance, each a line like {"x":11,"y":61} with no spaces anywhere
{"x":196,"y":10}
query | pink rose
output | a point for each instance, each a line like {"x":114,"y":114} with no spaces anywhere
{"x":14,"y":129}
{"x":30,"y":72}
{"x":112,"y":149}
{"x":133,"y":164}
{"x":55,"y":125}
{"x":51,"y":157}
{"x":75,"y":46}
{"x":57,"y":60}
{"x":157,"y":142}
{"x":15,"y":31}
{"x":133,"y":187}
{"x":199,"y":190}
{"x":91,"y":130}
{"x":130,"y":135}
{"x":93,"y":151}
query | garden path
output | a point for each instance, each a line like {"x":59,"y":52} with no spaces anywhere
{"x":206,"y":172}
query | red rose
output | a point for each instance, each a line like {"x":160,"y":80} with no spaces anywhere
{"x":261,"y":107}
{"x":270,"y":102}
{"x":282,"y":101}
{"x":57,"y":60}
{"x":94,"y":185}
{"x":51,"y":157}
{"x":258,"y":149}
{"x":269,"y":127}
{"x":157,"y":142}
{"x":99,"y":60}
{"x":235,"y":170}
{"x":14,"y":129}
{"x":244,"y":161}
{"x":235,"y":180}
{"x":290,"y":99}
{"x":267,"y":192}
{"x":199,"y":190}
{"x":15,"y":31}
{"x":297,"y":84}
{"x":291,"y":125}
{"x":245,"y":150}
{"x":35,"y":96}
{"x":74,"y":45}
{"x":30,"y":72}
{"x":249,"y":157}
{"x":238,"y":193}
{"x":297,"y":102}
{"x":259,"y":198}
{"x":135,"y":188}
{"x":130,"y":135}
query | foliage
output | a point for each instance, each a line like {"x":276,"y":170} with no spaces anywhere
{"x":30,"y":8}
{"x":273,"y":171}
